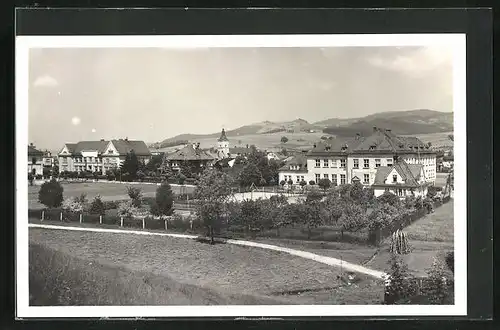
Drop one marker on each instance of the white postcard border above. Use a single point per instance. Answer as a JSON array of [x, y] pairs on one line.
[[25, 43]]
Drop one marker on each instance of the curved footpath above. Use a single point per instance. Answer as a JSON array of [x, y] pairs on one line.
[[307, 255]]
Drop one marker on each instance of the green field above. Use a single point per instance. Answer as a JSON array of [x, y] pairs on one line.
[[108, 191], [223, 269]]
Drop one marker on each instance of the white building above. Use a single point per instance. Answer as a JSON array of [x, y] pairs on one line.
[[100, 156], [35, 160], [360, 158]]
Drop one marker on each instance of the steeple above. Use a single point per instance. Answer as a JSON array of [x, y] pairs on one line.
[[223, 136]]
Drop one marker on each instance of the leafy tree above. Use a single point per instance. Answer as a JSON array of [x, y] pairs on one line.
[[284, 139], [127, 209], [313, 219], [31, 178], [313, 196], [97, 206], [353, 218], [135, 195], [356, 192], [312, 182], [130, 165], [51, 194], [290, 182], [282, 183], [164, 201], [400, 285], [388, 198], [250, 175], [279, 219], [154, 163], [324, 184], [368, 196], [436, 286], [284, 152], [274, 169], [251, 214], [303, 183], [382, 216], [213, 192], [432, 192], [333, 208], [140, 175], [344, 191]]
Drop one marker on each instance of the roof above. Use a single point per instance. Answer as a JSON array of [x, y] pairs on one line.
[[189, 153], [223, 136], [34, 152], [240, 150], [381, 140], [297, 160], [122, 146], [125, 146], [410, 173]]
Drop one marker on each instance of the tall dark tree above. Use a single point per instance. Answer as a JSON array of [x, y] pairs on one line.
[[51, 194], [154, 163], [250, 175], [164, 201], [130, 165]]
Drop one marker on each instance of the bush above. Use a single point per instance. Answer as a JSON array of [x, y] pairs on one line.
[[400, 285], [450, 260], [110, 205], [312, 182], [39, 177], [436, 287], [30, 178], [97, 206], [388, 198], [51, 194], [164, 201], [135, 195]]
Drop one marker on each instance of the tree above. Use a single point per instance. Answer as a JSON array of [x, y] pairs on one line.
[[31, 178], [181, 178], [274, 169], [251, 214], [97, 206], [51, 194], [282, 183], [333, 208], [279, 219], [284, 139], [164, 201], [313, 219], [284, 152], [388, 198], [213, 192], [312, 182], [324, 184], [303, 184], [250, 175], [382, 216], [154, 163], [436, 286], [353, 218], [135, 195], [356, 192], [130, 165], [140, 175], [400, 285]]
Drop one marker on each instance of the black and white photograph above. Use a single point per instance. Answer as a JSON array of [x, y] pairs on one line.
[[290, 175]]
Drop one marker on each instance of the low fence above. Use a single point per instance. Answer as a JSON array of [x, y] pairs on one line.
[[148, 222], [375, 237]]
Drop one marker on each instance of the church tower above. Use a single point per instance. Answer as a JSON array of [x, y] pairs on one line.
[[223, 146]]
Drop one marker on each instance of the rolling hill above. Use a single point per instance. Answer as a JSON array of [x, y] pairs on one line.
[[421, 121]]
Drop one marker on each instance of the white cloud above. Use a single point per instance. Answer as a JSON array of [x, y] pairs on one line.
[[417, 63], [45, 81], [75, 121]]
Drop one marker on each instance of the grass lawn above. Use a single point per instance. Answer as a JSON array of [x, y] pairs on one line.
[[223, 268], [429, 237], [108, 191]]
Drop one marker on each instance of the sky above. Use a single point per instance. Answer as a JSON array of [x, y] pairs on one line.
[[152, 94]]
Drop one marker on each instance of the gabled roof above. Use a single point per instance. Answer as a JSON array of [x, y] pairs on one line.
[[297, 160], [122, 146], [189, 153], [223, 136], [34, 152], [410, 173], [125, 146]]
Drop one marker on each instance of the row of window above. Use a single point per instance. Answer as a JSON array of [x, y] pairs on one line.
[[366, 163], [298, 178]]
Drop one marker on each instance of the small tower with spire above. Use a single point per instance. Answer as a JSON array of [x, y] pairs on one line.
[[222, 145]]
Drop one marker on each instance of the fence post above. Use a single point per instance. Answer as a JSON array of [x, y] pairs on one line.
[[100, 219], [60, 216], [121, 221], [143, 223], [166, 227], [81, 218], [43, 215], [191, 224]]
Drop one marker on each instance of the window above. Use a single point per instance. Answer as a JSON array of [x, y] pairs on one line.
[[394, 178], [325, 162], [325, 176], [377, 162], [334, 163], [342, 163], [318, 162], [298, 178], [301, 178], [389, 161], [366, 163], [366, 179], [334, 179], [342, 179], [356, 163], [317, 178], [110, 151]]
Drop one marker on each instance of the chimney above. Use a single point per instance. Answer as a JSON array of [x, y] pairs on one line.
[[358, 136], [374, 128], [102, 140], [126, 139]]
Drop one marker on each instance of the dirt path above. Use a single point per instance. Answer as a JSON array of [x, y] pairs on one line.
[[303, 254]]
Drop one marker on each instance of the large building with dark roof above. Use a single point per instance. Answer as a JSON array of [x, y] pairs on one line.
[[100, 156], [347, 160]]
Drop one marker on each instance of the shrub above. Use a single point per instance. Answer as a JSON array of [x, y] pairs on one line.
[[39, 177], [313, 195], [164, 201], [97, 206], [450, 260], [388, 198], [127, 209], [324, 184], [135, 195], [400, 285], [51, 194], [110, 205], [436, 286], [312, 182], [30, 178]]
